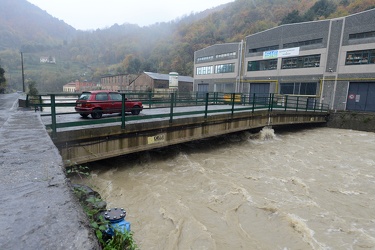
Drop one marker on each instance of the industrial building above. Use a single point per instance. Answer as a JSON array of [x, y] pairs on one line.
[[330, 60], [150, 81], [147, 81]]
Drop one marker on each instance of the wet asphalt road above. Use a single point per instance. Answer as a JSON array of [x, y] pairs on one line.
[[37, 207]]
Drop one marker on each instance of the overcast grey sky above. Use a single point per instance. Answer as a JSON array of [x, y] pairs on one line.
[[98, 14]]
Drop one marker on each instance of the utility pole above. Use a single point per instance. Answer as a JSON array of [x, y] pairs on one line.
[[23, 74]]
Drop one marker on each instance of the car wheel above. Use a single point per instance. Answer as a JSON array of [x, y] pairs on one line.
[[96, 114], [84, 115], [136, 110]]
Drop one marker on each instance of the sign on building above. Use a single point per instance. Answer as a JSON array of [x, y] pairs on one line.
[[281, 53]]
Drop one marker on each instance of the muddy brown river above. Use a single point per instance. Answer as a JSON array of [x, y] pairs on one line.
[[302, 189]]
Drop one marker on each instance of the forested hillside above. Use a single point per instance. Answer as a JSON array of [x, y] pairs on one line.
[[128, 48]]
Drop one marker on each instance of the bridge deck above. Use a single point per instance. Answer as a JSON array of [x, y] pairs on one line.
[[98, 141]]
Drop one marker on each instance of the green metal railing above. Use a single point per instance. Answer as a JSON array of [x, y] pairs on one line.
[[232, 103]]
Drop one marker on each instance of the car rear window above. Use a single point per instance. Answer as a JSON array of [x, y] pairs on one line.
[[84, 96], [115, 96]]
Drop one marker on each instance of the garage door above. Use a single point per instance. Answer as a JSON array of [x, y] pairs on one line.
[[261, 91], [361, 96]]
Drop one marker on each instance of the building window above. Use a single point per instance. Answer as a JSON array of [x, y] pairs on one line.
[[360, 57], [303, 43], [225, 55], [206, 70], [262, 49], [362, 35], [298, 88], [224, 68], [301, 62], [262, 65], [205, 58]]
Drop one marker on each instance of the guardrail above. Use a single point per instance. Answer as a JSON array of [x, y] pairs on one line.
[[234, 102]]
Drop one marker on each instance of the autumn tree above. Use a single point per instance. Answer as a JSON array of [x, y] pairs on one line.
[[3, 82], [322, 8], [292, 17], [32, 88]]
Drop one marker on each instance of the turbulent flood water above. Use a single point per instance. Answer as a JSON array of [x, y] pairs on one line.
[[302, 189]]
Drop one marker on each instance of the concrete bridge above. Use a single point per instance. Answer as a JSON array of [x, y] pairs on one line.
[[87, 140]]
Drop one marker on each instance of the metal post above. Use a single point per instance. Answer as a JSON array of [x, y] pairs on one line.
[[206, 106], [286, 103], [297, 103], [23, 74], [171, 111], [40, 103], [53, 115], [253, 102], [123, 111], [149, 99], [307, 104], [314, 104], [270, 103], [233, 96]]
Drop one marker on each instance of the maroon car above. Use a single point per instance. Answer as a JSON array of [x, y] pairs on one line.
[[99, 102]]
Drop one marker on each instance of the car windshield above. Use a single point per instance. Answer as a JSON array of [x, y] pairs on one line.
[[84, 96]]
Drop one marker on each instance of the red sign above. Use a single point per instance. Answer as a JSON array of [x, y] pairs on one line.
[[352, 96]]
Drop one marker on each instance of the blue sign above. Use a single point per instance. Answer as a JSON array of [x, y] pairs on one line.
[[270, 54]]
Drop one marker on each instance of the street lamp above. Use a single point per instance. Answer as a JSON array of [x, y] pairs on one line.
[[23, 74]]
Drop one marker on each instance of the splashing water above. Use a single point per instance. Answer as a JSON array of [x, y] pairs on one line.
[[267, 133]]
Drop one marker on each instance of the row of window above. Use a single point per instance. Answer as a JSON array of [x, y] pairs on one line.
[[303, 43], [352, 58], [286, 63], [298, 88], [360, 57], [205, 58], [287, 45], [262, 49], [362, 35], [218, 69], [310, 61], [230, 54], [210, 58], [262, 65], [287, 88], [310, 42]]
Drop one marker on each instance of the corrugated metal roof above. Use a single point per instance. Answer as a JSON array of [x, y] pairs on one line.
[[165, 77]]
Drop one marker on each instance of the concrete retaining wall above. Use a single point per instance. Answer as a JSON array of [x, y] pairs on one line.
[[361, 121]]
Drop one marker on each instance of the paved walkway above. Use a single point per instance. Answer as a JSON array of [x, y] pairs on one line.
[[37, 207]]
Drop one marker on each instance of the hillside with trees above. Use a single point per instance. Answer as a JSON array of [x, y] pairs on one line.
[[130, 49]]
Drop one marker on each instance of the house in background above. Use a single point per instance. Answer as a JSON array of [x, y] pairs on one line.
[[149, 81], [48, 59], [118, 82], [78, 86], [70, 87]]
